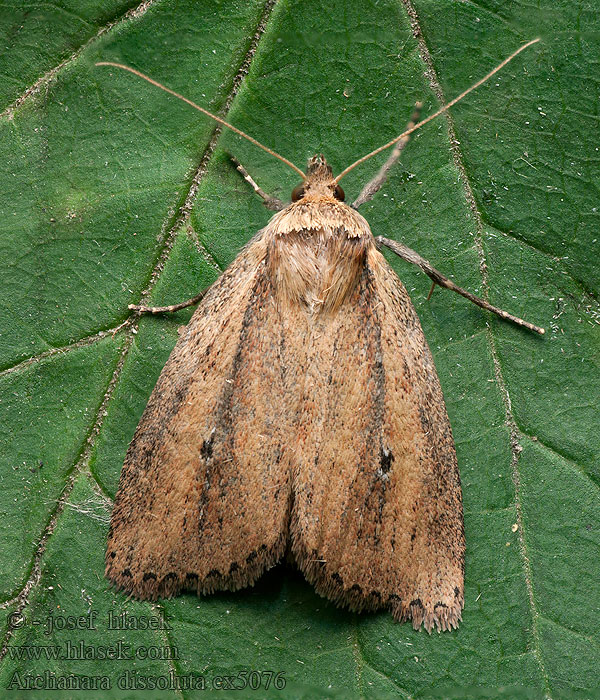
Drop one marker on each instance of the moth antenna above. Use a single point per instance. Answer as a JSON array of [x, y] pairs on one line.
[[204, 111], [435, 114]]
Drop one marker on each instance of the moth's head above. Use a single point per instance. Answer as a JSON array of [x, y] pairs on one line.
[[319, 182]]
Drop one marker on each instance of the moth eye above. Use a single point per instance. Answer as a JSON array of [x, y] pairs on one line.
[[298, 193], [339, 193]]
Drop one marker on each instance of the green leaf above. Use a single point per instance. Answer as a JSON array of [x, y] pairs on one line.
[[112, 189], [36, 40]]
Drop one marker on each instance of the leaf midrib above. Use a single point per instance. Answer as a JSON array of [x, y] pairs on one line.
[[516, 434]]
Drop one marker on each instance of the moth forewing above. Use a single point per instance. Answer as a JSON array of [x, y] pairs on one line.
[[377, 512], [203, 501]]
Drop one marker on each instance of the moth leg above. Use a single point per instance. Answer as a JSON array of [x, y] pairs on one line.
[[375, 184], [167, 309], [411, 256], [270, 202]]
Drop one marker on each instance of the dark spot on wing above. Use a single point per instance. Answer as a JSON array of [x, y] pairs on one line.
[[206, 450], [386, 460]]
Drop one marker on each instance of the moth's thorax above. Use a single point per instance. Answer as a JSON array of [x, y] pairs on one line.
[[316, 253], [316, 246]]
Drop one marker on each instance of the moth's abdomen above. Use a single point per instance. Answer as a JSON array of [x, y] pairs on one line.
[[316, 269]]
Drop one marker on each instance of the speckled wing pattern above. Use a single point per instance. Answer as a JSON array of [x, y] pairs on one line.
[[284, 421], [377, 514], [203, 500]]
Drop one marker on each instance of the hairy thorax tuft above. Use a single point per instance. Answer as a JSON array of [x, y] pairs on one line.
[[316, 253]]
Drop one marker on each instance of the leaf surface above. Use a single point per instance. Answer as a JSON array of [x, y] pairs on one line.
[[113, 191]]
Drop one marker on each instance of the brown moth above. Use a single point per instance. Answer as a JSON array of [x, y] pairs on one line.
[[300, 412]]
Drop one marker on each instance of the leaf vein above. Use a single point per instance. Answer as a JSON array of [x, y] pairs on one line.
[[477, 215]]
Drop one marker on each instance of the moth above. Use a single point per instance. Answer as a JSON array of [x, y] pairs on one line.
[[300, 414]]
